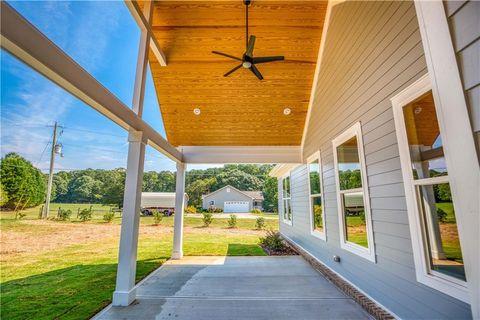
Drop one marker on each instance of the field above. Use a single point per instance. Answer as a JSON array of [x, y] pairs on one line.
[[53, 269]]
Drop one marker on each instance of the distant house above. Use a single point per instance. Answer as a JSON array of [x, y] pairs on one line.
[[231, 199]]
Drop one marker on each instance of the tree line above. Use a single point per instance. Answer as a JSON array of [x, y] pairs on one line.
[[23, 185]]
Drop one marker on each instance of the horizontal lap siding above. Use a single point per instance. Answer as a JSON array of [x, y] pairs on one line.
[[464, 22], [373, 51]]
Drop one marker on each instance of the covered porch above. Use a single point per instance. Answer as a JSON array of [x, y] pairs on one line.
[[284, 287]]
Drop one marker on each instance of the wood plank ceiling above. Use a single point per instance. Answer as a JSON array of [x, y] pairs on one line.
[[238, 110]]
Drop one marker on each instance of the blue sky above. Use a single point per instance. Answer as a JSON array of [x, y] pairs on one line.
[[103, 38]]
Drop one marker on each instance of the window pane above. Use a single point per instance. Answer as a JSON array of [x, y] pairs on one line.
[[445, 253], [354, 214], [314, 170], [286, 187], [349, 165], [287, 210], [423, 134], [317, 213]]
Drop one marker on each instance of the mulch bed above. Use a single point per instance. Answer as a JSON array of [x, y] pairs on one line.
[[287, 251]]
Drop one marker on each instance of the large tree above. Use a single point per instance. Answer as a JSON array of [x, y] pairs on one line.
[[24, 184]]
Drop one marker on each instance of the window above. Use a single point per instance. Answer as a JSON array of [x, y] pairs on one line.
[[286, 198], [228, 189], [211, 203], [352, 194], [317, 214], [437, 250]]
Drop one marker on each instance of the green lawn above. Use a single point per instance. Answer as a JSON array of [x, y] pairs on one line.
[[77, 280]]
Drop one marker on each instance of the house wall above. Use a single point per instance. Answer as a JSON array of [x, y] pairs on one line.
[[464, 22], [221, 196], [373, 51]]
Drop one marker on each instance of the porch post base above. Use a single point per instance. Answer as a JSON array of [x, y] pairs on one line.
[[124, 298], [177, 255]]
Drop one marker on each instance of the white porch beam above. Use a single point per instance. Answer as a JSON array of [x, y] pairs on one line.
[[179, 209], [145, 25], [28, 44], [257, 154], [457, 136], [125, 290]]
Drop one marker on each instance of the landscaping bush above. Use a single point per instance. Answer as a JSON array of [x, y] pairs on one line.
[[260, 223], [63, 214], [190, 209], [85, 214], [215, 210], [157, 217], [207, 218], [232, 222], [273, 241], [108, 216], [255, 210], [442, 215]]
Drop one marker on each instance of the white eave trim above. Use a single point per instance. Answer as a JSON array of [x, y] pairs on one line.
[[241, 154], [326, 24], [280, 170]]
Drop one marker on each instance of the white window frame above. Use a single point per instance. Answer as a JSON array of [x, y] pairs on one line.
[[367, 253], [424, 274], [321, 235], [286, 221]]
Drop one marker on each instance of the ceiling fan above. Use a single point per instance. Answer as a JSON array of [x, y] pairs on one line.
[[248, 61]]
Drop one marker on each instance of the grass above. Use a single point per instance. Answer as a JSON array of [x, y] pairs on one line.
[[77, 280]]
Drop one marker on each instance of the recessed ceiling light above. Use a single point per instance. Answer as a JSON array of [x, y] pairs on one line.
[[196, 111], [417, 110], [287, 111]]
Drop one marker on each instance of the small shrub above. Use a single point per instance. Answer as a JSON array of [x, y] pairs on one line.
[[63, 214], [157, 217], [273, 241], [85, 214], [255, 210], [442, 215], [190, 209], [232, 222], [215, 210], [207, 218], [108, 216], [260, 223]]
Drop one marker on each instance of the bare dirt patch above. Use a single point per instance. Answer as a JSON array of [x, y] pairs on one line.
[[36, 236]]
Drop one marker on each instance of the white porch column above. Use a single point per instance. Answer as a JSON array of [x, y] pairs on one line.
[[125, 291], [179, 208]]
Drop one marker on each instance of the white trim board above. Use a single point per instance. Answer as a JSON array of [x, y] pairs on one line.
[[367, 253], [315, 233], [241, 154], [460, 155], [321, 49], [419, 243]]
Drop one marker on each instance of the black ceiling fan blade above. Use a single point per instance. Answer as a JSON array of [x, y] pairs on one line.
[[267, 59], [256, 72], [250, 45], [233, 70], [226, 55]]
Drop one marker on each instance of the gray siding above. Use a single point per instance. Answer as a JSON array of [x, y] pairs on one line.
[[374, 51], [464, 21], [221, 196]]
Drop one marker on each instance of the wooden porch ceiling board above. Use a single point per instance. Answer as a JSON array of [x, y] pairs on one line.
[[238, 110]]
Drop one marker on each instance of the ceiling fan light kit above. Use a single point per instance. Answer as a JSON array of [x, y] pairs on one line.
[[248, 61]]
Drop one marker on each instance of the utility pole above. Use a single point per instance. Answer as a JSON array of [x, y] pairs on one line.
[[46, 208]]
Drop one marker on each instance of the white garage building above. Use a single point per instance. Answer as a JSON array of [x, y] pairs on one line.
[[231, 200]]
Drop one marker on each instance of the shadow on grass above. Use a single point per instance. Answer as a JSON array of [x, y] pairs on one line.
[[240, 249], [76, 292]]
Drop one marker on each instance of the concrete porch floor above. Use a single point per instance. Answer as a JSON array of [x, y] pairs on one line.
[[237, 288]]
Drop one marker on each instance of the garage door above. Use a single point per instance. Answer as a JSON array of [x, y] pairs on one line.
[[235, 206]]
